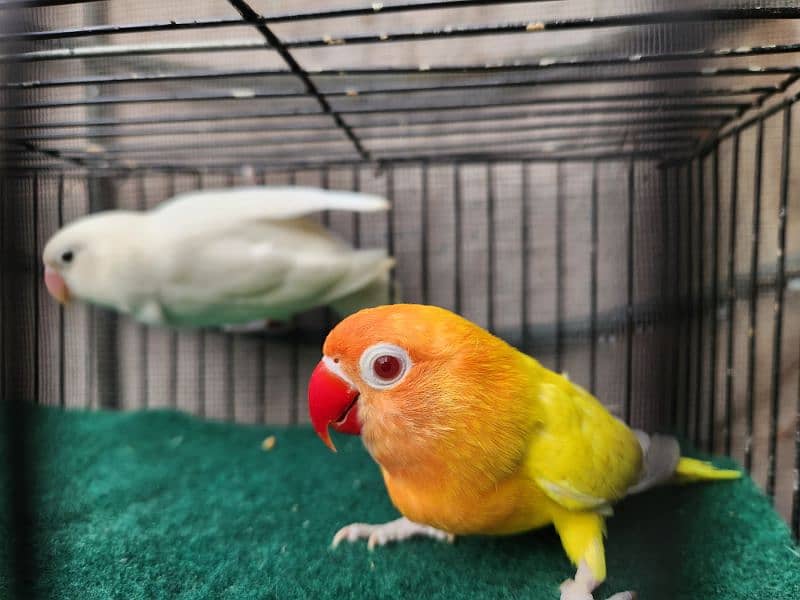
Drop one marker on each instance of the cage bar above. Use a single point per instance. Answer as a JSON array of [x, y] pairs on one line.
[[753, 300], [11, 4], [712, 394], [15, 339], [173, 336], [780, 285], [61, 324], [490, 250], [795, 515], [457, 242], [253, 18], [294, 358], [559, 265], [538, 27], [424, 234], [36, 290], [676, 297], [263, 350], [418, 119], [666, 318], [205, 75], [399, 130], [525, 249], [390, 227], [105, 30], [522, 27], [731, 293], [200, 356], [629, 309], [215, 96], [549, 62], [593, 258], [144, 332], [701, 303], [357, 216], [689, 305]]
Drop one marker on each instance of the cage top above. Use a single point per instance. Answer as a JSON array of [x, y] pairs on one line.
[[218, 84]]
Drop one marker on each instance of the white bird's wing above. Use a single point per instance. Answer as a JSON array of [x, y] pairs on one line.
[[245, 253], [265, 203], [255, 269]]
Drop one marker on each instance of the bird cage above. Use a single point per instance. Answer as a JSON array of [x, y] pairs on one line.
[[608, 186]]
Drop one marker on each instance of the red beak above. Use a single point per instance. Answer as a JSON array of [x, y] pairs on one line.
[[333, 402]]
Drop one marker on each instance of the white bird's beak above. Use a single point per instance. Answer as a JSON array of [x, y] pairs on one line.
[[56, 286]]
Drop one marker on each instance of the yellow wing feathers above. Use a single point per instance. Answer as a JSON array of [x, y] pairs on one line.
[[584, 459], [581, 456]]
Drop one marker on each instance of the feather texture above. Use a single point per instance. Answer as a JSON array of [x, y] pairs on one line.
[[222, 257], [478, 438]]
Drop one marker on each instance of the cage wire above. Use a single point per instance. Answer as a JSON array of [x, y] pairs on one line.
[[606, 185]]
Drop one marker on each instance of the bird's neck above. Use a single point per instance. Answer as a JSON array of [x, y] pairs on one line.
[[130, 263], [440, 461], [401, 447]]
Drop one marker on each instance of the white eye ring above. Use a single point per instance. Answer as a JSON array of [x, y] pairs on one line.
[[368, 357]]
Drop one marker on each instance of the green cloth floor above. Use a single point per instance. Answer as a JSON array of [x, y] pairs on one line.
[[162, 505]]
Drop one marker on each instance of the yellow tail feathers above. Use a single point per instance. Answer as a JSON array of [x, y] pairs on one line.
[[691, 469]]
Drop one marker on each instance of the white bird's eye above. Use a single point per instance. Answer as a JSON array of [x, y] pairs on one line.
[[67, 256], [384, 365]]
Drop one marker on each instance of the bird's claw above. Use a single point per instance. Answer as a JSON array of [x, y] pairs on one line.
[[572, 590], [584, 583], [386, 533]]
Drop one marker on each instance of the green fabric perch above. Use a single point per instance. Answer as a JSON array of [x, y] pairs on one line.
[[162, 505]]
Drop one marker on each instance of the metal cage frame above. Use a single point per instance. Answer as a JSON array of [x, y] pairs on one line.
[[681, 132]]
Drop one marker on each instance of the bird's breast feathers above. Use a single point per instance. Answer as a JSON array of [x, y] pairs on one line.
[[511, 506]]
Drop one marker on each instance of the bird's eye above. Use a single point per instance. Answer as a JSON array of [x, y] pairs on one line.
[[387, 367], [384, 365], [67, 256]]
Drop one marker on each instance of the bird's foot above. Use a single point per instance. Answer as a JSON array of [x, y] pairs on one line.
[[571, 591], [386, 533], [583, 585]]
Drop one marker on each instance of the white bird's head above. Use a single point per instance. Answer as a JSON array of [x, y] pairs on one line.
[[87, 258]]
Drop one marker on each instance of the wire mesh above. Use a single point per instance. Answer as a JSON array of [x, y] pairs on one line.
[[606, 185], [80, 65]]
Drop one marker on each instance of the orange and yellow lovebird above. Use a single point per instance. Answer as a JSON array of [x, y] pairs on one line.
[[475, 437]]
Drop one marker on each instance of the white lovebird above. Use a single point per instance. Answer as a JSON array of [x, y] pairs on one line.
[[222, 257]]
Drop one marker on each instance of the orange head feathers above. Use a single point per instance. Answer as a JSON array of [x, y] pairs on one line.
[[415, 381]]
